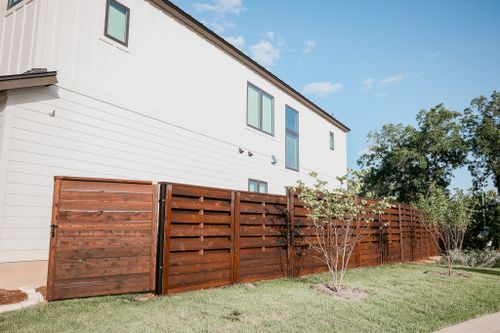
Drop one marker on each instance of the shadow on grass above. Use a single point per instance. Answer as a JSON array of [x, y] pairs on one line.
[[480, 270]]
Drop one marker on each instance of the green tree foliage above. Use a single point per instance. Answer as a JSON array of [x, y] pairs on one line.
[[481, 129], [405, 161], [336, 214], [448, 218], [485, 226]]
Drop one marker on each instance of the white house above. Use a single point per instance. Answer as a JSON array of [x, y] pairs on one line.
[[138, 89]]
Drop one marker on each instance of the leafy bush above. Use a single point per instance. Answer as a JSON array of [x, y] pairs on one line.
[[476, 258]]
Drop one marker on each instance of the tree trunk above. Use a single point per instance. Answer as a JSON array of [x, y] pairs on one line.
[[450, 264]]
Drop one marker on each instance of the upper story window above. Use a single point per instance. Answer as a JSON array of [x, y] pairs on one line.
[[260, 110], [12, 3], [257, 186], [117, 22], [292, 139], [332, 141]]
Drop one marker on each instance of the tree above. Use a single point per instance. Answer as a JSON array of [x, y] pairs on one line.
[[481, 129], [404, 161], [485, 225], [335, 215], [448, 218]]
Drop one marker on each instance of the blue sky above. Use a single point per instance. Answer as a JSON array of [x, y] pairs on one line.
[[368, 62]]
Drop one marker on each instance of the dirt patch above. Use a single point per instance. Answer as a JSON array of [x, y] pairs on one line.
[[430, 260], [235, 315], [42, 290], [145, 297], [351, 294], [249, 285], [12, 296], [453, 274]]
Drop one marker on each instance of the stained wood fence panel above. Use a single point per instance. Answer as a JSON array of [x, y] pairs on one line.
[[262, 237], [306, 257], [102, 238], [199, 226]]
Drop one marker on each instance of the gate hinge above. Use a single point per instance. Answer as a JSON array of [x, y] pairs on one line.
[[53, 228]]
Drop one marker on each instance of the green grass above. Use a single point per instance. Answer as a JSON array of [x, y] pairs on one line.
[[404, 299]]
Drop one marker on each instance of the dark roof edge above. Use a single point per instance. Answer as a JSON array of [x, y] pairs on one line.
[[27, 80], [211, 36], [27, 76]]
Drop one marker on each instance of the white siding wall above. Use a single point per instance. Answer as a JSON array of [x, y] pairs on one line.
[[20, 31], [170, 107]]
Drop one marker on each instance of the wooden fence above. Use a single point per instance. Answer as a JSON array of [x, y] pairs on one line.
[[112, 236], [103, 238], [215, 237]]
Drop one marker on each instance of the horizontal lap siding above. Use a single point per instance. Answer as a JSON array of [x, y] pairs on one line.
[[200, 247], [105, 241], [93, 139]]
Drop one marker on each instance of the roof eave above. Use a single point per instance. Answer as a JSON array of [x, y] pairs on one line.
[[20, 81], [220, 42]]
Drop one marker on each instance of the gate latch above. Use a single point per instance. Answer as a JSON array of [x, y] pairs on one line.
[[53, 228]]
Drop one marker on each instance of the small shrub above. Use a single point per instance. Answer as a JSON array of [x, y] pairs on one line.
[[476, 258]]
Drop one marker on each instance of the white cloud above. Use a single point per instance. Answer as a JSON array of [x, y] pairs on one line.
[[237, 41], [392, 79], [221, 26], [221, 7], [322, 89], [308, 46], [368, 83], [267, 51]]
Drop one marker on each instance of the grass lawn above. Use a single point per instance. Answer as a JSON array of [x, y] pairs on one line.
[[404, 299]]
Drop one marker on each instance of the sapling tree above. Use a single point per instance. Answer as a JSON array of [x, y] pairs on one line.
[[448, 217], [336, 215]]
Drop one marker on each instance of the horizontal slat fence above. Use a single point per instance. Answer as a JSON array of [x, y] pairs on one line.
[[200, 233], [103, 238], [262, 237], [216, 237], [106, 239]]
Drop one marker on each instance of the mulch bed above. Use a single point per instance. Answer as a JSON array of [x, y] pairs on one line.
[[351, 294], [453, 274], [12, 296], [42, 290]]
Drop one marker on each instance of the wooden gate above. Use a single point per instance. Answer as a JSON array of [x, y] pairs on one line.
[[103, 238]]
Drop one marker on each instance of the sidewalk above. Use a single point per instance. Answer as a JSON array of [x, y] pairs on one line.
[[485, 324]]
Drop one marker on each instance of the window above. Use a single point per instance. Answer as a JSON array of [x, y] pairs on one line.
[[292, 139], [260, 110], [332, 141], [257, 186], [12, 3], [117, 22]]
